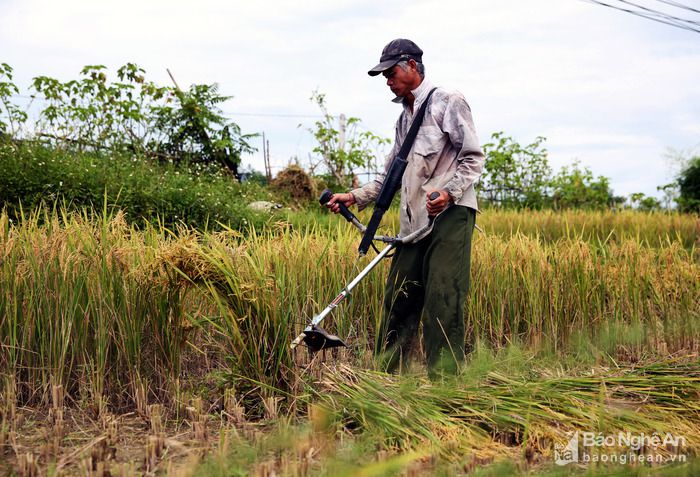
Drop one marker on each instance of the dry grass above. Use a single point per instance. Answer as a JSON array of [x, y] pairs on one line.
[[121, 320]]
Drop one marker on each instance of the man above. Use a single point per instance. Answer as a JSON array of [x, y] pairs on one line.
[[429, 276]]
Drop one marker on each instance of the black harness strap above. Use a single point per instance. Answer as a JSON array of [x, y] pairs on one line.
[[392, 180]]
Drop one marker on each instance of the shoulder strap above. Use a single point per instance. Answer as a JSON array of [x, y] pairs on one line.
[[392, 179], [415, 126]]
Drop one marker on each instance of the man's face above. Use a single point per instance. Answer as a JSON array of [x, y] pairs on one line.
[[402, 82]]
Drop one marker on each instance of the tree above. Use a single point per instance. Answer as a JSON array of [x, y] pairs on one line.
[[649, 204], [636, 198], [198, 131], [670, 194], [344, 149], [689, 186], [644, 202], [11, 116], [515, 175], [575, 187], [94, 113], [137, 116]]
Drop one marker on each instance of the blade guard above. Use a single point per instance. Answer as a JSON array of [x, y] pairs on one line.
[[317, 339]]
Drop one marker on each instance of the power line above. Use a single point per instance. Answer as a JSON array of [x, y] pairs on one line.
[[652, 15], [679, 5], [276, 115], [656, 16], [659, 14]]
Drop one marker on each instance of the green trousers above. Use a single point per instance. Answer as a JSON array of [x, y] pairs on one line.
[[429, 279]]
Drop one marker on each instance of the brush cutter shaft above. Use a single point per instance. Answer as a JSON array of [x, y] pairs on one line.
[[346, 291], [313, 335], [343, 294]]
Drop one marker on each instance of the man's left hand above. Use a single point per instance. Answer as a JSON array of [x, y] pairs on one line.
[[438, 204]]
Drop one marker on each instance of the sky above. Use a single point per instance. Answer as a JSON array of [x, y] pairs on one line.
[[610, 90]]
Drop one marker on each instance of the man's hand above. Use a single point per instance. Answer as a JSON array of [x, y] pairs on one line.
[[347, 198], [438, 204]]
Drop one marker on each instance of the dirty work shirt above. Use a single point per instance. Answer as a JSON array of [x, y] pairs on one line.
[[445, 155]]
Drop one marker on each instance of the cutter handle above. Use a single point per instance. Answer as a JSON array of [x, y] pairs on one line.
[[344, 211], [433, 196]]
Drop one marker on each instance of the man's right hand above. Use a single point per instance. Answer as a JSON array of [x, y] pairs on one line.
[[346, 198]]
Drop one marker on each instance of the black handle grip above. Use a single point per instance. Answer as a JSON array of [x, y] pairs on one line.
[[344, 211], [434, 195], [325, 196]]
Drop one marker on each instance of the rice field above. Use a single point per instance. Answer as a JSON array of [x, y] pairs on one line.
[[166, 352]]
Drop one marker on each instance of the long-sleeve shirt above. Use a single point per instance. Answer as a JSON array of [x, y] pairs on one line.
[[445, 155]]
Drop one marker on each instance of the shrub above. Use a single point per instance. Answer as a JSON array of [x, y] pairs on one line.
[[200, 196], [689, 186]]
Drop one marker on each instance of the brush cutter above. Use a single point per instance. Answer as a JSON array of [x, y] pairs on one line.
[[315, 337]]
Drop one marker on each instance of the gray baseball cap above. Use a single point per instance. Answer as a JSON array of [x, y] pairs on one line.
[[396, 51]]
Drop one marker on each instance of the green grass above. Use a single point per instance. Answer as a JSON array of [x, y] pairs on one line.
[[146, 190]]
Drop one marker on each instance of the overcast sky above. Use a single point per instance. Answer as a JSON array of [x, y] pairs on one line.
[[606, 88]]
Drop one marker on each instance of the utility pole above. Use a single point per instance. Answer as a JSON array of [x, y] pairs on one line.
[[341, 141], [269, 166], [342, 120], [266, 158]]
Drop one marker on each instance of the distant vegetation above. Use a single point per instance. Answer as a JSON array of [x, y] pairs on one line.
[[159, 153], [200, 195], [164, 154], [517, 176], [129, 115], [689, 184]]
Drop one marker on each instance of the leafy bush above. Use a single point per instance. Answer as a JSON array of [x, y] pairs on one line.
[[518, 176], [339, 151], [198, 195], [11, 116], [130, 115], [515, 175], [689, 186], [575, 187]]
